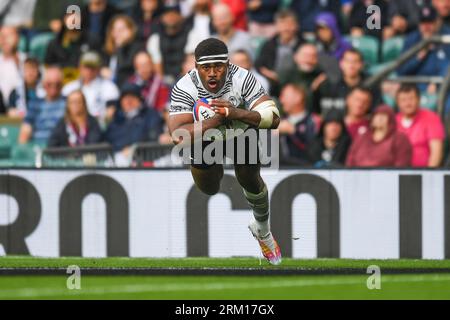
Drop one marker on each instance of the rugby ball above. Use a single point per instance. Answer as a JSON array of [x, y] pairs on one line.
[[202, 110]]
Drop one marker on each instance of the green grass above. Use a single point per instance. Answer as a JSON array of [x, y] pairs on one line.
[[408, 286]]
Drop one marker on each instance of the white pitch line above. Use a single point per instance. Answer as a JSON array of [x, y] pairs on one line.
[[48, 292]]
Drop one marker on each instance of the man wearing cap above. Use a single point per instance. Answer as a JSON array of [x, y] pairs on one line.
[[239, 102], [432, 60], [132, 123], [100, 93]]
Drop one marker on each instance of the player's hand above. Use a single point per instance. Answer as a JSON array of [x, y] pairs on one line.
[[224, 108]]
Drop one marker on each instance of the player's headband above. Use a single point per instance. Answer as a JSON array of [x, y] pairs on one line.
[[217, 58]]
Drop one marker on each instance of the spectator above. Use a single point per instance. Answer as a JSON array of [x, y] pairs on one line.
[[188, 64], [329, 37], [242, 59], [11, 61], [146, 14], [66, 49], [154, 92], [44, 114], [330, 147], [308, 10], [431, 61], [133, 123], [331, 94], [359, 16], [298, 128], [358, 104], [30, 89], [121, 47], [443, 9], [223, 23], [201, 25], [276, 56], [167, 46], [403, 17], [100, 94], [77, 127], [261, 14], [47, 15], [95, 16], [307, 72], [382, 145], [238, 9], [423, 127], [16, 13]]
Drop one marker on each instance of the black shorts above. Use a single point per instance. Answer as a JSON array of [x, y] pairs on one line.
[[243, 150]]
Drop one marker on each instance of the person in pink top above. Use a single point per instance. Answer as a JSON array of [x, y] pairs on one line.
[[423, 127], [358, 103]]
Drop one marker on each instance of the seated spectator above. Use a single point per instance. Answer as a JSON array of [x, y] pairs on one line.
[[201, 25], [223, 23], [29, 90], [44, 114], [308, 10], [298, 128], [359, 17], [11, 61], [431, 61], [95, 16], [307, 71], [403, 17], [331, 94], [77, 127], [132, 123], [238, 9], [17, 13], [443, 9], [329, 38], [101, 94], [277, 54], [358, 104], [261, 17], [68, 46], [423, 127], [146, 14], [330, 147], [242, 59], [121, 47], [382, 145], [154, 92], [166, 47]]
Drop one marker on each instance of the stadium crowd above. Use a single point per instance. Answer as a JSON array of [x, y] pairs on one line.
[[110, 80]]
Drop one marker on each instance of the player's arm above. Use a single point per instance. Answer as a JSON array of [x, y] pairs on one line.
[[182, 126], [264, 113]]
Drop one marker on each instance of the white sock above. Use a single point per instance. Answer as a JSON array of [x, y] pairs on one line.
[[263, 227]]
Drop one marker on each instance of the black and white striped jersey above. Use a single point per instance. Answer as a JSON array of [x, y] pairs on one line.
[[241, 89]]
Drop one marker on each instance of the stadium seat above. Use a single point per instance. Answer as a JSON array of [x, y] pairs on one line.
[[368, 46], [429, 101], [38, 45], [257, 44], [25, 155], [8, 138], [392, 49]]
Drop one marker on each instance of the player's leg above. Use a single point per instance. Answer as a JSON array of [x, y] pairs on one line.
[[256, 193], [207, 178]]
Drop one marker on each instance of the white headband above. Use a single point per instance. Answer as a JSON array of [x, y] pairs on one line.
[[217, 58]]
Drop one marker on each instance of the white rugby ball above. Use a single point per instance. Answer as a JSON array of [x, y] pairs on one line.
[[202, 110]]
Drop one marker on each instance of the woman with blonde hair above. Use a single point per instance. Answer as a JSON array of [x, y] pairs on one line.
[[77, 127], [121, 47]]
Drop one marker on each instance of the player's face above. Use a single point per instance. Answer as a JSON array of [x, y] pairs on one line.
[[213, 75]]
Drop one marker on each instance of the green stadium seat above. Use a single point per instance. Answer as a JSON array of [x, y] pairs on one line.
[[429, 101], [392, 49], [22, 44], [38, 45], [368, 46], [25, 155], [8, 138], [257, 44], [285, 3]]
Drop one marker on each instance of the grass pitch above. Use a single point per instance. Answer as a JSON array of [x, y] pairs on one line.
[[416, 284]]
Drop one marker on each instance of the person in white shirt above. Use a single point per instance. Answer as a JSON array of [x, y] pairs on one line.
[[101, 94]]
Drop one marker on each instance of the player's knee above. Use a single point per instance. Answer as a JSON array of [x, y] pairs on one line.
[[210, 190]]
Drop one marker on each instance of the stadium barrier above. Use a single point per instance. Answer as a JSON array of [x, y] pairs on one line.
[[160, 213], [94, 155]]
